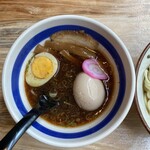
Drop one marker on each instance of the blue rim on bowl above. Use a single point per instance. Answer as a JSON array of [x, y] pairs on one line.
[[44, 35]]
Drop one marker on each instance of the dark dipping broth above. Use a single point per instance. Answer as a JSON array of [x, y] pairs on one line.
[[70, 49]]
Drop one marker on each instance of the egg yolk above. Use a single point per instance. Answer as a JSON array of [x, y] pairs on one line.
[[42, 67]]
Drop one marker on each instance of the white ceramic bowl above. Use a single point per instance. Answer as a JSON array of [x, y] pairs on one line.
[[142, 65], [111, 45]]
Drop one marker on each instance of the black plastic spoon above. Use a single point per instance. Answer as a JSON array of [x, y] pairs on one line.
[[45, 103]]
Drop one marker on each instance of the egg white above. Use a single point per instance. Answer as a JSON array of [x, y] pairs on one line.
[[34, 81]]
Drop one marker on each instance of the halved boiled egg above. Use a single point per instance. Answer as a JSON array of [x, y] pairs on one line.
[[41, 69]]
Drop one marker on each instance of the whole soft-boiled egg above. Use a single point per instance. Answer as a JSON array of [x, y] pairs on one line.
[[41, 69], [89, 93]]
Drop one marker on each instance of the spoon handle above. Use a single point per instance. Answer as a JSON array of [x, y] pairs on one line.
[[18, 130]]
